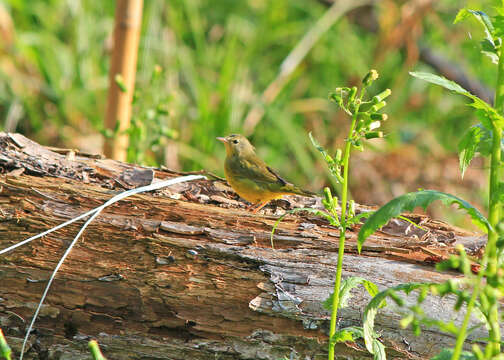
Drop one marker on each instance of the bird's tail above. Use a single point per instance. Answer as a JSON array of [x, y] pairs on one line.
[[296, 190]]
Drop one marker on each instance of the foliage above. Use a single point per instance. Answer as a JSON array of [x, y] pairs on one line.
[[94, 348], [480, 298], [411, 201], [217, 59], [365, 121], [5, 350], [347, 285]]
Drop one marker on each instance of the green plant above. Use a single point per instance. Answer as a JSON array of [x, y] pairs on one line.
[[94, 348], [150, 130], [5, 350], [481, 298], [218, 58], [365, 121]]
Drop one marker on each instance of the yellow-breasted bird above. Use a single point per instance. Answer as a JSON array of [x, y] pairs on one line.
[[250, 177]]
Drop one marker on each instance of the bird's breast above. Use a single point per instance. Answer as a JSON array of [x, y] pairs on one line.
[[247, 188]]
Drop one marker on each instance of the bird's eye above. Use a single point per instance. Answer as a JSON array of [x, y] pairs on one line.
[[235, 141]]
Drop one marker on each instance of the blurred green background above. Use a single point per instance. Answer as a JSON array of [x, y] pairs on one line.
[[203, 65]]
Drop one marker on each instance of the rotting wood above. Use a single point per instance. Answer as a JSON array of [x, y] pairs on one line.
[[184, 273]]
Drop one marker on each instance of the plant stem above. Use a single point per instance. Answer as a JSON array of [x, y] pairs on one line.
[[490, 258], [463, 329], [494, 207], [341, 248], [494, 210]]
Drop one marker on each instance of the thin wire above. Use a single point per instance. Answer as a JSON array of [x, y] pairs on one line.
[[95, 213]]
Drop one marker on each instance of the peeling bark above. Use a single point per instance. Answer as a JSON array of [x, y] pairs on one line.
[[187, 273]]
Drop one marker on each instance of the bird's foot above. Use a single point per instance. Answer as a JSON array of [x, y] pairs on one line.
[[256, 207]]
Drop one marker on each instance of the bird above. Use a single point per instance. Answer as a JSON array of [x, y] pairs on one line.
[[251, 177]]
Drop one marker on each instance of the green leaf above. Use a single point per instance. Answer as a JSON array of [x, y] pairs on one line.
[[453, 86], [372, 309], [5, 350], [485, 21], [498, 23], [461, 15], [488, 49], [408, 202], [342, 336], [378, 350], [446, 354], [350, 333], [359, 217], [346, 286], [441, 81], [491, 42], [119, 80], [469, 145], [485, 145]]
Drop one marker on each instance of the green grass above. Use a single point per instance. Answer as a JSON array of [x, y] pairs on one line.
[[217, 59]]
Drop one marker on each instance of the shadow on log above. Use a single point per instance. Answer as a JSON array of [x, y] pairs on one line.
[[186, 272]]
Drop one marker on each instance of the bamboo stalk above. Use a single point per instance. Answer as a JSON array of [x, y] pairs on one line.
[[128, 20]]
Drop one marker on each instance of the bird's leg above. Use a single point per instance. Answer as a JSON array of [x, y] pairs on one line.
[[261, 205], [251, 206]]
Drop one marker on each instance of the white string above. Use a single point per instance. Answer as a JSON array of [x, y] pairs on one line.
[[95, 212]]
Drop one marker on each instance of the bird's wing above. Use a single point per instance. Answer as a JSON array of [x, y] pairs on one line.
[[255, 169], [279, 178]]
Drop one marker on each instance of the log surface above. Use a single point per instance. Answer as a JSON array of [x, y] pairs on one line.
[[187, 273]]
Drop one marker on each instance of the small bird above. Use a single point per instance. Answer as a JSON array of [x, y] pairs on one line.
[[250, 177]]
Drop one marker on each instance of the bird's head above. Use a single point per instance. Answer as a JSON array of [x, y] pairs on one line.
[[237, 145]]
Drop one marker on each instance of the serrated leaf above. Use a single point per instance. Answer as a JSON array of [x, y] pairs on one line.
[[461, 15], [359, 217], [468, 146], [446, 354], [342, 336], [372, 309], [483, 18], [346, 286], [408, 202], [441, 81], [350, 333], [477, 103], [478, 139]]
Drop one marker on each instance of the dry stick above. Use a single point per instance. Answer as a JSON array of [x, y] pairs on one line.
[[292, 61], [128, 20]]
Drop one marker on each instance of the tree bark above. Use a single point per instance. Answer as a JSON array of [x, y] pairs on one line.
[[187, 273]]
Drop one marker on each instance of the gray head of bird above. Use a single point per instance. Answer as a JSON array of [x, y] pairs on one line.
[[237, 144]]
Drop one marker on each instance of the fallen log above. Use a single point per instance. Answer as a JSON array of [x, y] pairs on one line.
[[187, 273]]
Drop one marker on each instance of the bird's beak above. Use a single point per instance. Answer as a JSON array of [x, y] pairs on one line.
[[224, 140]]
